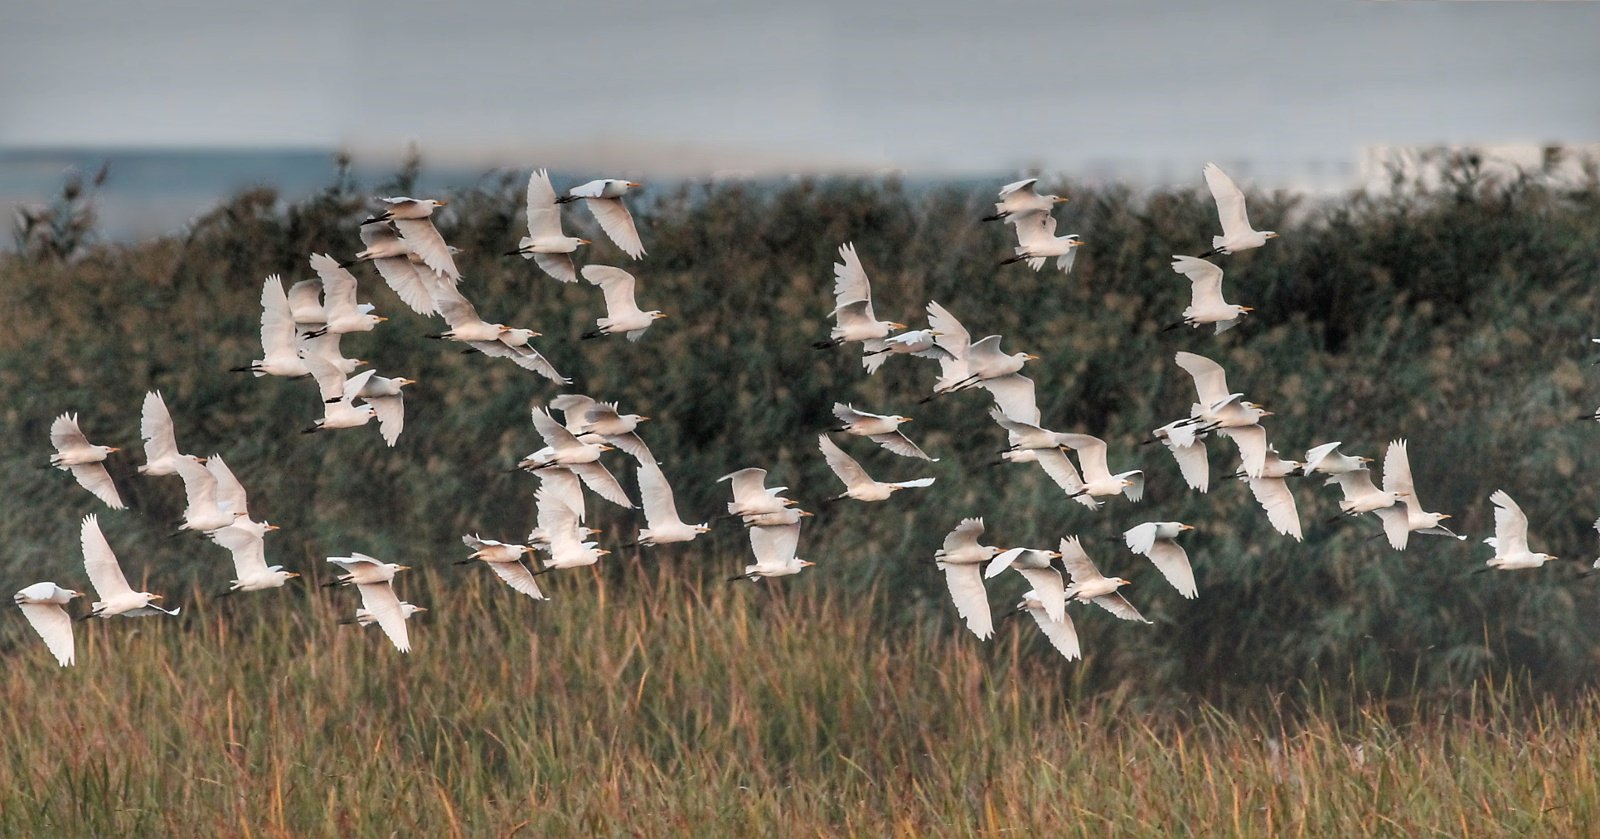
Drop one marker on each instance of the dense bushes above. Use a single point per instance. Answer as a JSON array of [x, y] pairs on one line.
[[1455, 316]]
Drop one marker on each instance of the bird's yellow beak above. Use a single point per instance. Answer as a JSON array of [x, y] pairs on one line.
[[1061, 199], [272, 527], [1272, 235], [806, 563], [584, 242], [805, 515], [381, 320], [155, 597], [1266, 413], [634, 185], [1247, 308], [443, 203], [642, 419], [1365, 459], [403, 568], [1185, 527], [420, 608], [897, 325], [113, 449], [292, 574], [1030, 356], [1444, 515]]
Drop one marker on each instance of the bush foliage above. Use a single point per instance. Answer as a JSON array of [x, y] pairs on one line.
[[1453, 314]]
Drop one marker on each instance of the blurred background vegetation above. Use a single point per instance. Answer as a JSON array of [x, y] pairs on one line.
[[1453, 311]]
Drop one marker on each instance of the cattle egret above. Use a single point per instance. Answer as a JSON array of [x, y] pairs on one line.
[[388, 404], [959, 558], [343, 314], [857, 483], [1189, 450], [1155, 539], [339, 409], [546, 244], [585, 415], [495, 340], [1237, 235], [970, 363], [506, 562], [559, 486], [1037, 242], [604, 200], [623, 315], [380, 605], [280, 338], [116, 596], [1089, 585], [1510, 539], [360, 569], [663, 525], [774, 549], [1205, 296], [1406, 517], [85, 460], [250, 559], [752, 496], [412, 219], [854, 320], [922, 343], [1360, 495], [41, 604], [567, 548], [412, 281], [160, 446], [1327, 460], [880, 429], [1061, 634], [1039, 569], [205, 510], [1020, 201], [1271, 490], [583, 459], [1098, 482], [366, 617]]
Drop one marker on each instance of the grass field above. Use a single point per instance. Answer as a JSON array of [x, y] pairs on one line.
[[1328, 688], [640, 704]]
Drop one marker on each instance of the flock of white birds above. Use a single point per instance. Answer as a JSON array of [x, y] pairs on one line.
[[302, 327]]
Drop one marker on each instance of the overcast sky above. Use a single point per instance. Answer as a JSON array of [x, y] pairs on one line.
[[935, 87]]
